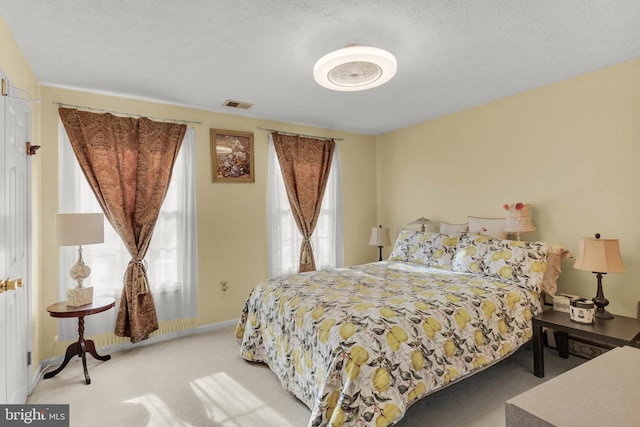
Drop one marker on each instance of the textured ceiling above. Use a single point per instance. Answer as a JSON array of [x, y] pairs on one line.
[[451, 54]]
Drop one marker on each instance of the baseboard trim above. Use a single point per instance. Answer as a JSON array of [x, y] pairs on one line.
[[217, 326]]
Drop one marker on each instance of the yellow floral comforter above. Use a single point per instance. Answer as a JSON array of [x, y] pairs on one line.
[[359, 345]]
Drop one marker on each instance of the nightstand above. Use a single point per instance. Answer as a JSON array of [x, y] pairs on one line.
[[619, 331]]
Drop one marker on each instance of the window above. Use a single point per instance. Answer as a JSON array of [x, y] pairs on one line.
[[171, 258], [284, 238]]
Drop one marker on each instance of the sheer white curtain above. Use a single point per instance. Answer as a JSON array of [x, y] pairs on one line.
[[171, 258], [283, 235]]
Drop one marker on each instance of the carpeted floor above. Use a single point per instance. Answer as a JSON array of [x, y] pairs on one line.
[[201, 380]]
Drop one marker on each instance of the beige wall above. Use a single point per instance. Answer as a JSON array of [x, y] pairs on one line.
[[571, 149], [232, 235], [17, 70]]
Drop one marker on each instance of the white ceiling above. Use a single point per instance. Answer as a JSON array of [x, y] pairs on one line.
[[451, 54]]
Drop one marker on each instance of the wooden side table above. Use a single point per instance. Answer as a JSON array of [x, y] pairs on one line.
[[82, 346], [619, 331]]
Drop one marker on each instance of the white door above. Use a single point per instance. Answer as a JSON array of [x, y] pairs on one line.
[[3, 270], [16, 247]]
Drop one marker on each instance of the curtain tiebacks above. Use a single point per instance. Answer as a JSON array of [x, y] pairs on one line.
[[306, 248], [139, 275]]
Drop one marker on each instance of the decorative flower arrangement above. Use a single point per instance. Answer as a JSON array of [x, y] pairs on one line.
[[236, 163], [517, 206]]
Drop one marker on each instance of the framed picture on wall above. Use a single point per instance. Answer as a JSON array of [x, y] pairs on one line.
[[231, 156]]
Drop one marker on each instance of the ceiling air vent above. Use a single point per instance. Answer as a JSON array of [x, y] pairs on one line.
[[237, 104]]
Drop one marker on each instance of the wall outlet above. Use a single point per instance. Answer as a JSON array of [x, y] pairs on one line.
[[224, 286]]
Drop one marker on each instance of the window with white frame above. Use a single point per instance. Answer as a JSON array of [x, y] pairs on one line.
[[171, 259], [285, 239]]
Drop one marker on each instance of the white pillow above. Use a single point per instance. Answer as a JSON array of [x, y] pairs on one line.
[[446, 228], [492, 227]]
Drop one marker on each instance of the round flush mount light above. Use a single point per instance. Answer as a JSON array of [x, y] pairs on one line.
[[355, 68]]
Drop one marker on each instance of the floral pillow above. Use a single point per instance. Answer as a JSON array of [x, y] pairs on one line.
[[469, 255], [427, 248], [522, 263], [405, 244], [437, 250], [419, 252]]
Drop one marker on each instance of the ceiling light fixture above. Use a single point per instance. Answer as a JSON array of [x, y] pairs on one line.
[[355, 68]]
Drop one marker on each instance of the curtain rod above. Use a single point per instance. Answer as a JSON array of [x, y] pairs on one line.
[[62, 104], [300, 134]]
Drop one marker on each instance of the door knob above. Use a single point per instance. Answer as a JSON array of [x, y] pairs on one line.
[[11, 285]]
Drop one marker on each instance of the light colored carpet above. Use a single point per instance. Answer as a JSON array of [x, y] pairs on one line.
[[200, 380]]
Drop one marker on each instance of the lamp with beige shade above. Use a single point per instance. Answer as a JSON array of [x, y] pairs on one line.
[[600, 256], [80, 229], [380, 238]]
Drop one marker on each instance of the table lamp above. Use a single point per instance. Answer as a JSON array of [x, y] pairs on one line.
[[80, 229], [600, 256], [519, 220], [379, 237], [421, 222]]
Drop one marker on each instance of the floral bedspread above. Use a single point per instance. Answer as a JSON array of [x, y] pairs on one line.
[[359, 345]]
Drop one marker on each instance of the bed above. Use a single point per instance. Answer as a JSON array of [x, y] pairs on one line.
[[359, 345]]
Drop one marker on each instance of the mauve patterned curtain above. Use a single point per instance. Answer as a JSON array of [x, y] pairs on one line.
[[128, 164], [305, 164]]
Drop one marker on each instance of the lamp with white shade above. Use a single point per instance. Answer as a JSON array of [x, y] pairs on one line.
[[80, 229], [422, 222], [600, 256], [380, 238], [519, 221]]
